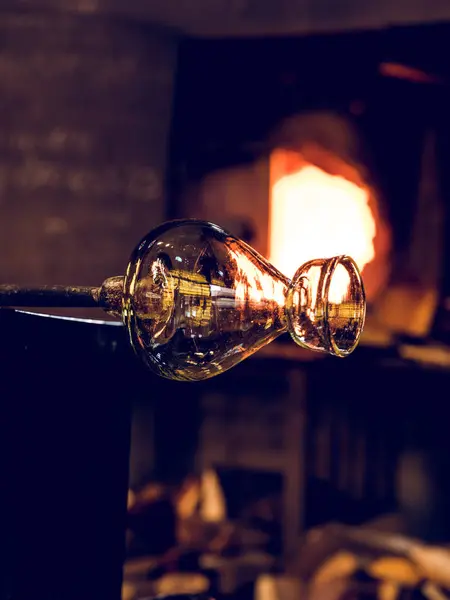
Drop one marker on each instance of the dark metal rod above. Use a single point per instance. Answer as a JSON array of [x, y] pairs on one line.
[[54, 296]]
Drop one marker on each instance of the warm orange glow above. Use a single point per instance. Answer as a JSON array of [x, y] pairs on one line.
[[317, 215], [254, 285]]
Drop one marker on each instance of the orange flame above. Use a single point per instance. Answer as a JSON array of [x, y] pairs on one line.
[[317, 215]]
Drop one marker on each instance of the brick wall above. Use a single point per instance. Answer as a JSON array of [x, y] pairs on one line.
[[85, 111]]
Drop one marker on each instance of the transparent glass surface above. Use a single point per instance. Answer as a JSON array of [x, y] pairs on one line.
[[325, 305], [197, 301]]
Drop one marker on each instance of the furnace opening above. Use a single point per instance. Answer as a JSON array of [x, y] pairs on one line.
[[319, 212]]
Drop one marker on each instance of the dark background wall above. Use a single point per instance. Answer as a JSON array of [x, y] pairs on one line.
[[85, 108], [216, 18]]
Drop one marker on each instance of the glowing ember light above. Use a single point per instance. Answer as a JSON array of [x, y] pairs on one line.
[[317, 215]]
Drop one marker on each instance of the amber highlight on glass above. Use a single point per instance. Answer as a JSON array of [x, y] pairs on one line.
[[197, 301]]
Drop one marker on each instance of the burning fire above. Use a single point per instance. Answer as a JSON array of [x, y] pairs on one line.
[[317, 215]]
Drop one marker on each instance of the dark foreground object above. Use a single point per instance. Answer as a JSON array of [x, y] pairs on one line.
[[66, 389]]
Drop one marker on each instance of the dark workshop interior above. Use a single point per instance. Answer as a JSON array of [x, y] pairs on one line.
[[307, 129]]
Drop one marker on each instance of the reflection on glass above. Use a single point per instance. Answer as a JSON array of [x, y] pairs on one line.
[[197, 301]]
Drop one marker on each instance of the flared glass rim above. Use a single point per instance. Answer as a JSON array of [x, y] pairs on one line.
[[328, 267]]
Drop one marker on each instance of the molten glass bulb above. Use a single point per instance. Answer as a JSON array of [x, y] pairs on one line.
[[197, 301]]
